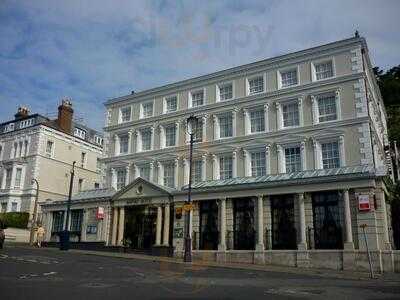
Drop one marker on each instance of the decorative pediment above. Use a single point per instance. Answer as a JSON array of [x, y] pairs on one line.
[[141, 188]]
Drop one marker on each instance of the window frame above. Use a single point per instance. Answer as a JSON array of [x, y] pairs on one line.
[[263, 155], [120, 118], [221, 170], [121, 137], [251, 77], [218, 90], [288, 69], [165, 101], [321, 61], [229, 115], [288, 102], [150, 139], [252, 110], [315, 106], [50, 155], [169, 127], [190, 97], [293, 146], [141, 110]]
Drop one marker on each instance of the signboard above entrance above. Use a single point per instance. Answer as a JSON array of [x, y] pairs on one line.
[[100, 213]]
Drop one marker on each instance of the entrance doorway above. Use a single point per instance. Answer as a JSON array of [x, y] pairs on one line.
[[140, 227], [243, 224], [283, 227], [208, 225]]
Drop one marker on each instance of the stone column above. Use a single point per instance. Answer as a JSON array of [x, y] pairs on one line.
[[84, 223], [303, 155], [185, 171], [204, 168], [114, 178], [216, 128], [222, 231], [267, 160], [160, 174], [130, 141], [266, 119], [121, 226], [247, 163], [302, 257], [302, 245], [348, 244], [127, 174], [314, 109], [152, 137], [215, 167], [177, 133], [151, 174], [234, 164], [158, 226], [204, 133], [260, 223], [116, 145], [166, 225], [176, 174], [247, 125], [114, 227], [234, 122], [279, 117], [281, 159]]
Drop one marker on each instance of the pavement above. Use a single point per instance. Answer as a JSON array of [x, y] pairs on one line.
[[32, 273]]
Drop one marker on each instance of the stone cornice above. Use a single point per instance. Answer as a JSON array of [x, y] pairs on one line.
[[225, 75]]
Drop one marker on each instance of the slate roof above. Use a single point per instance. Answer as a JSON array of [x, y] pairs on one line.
[[359, 171], [87, 196]]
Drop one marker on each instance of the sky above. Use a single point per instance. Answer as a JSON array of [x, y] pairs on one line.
[[91, 51]]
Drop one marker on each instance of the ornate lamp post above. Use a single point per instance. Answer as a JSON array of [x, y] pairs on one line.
[[34, 217], [64, 239], [192, 123]]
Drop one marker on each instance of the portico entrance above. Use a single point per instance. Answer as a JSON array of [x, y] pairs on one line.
[[140, 227]]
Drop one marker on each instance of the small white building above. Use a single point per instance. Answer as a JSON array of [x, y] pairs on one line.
[[33, 146]]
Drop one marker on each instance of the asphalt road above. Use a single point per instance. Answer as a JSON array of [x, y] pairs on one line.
[[51, 274]]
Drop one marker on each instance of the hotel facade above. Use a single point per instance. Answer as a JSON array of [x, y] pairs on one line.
[[288, 165]]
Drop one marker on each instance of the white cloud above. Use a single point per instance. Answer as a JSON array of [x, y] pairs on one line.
[[92, 51]]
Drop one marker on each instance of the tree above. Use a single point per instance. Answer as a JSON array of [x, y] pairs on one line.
[[389, 85]]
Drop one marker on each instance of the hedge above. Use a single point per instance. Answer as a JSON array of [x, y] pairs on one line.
[[15, 219]]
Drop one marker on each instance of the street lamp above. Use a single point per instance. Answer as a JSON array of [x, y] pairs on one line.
[[64, 238], [31, 236], [192, 123]]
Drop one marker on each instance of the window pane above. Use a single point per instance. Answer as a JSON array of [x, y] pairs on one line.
[[324, 70], [125, 114], [197, 171], [258, 164], [170, 136], [171, 104], [257, 121], [330, 155], [123, 144], [293, 159], [144, 172], [18, 178], [146, 139], [327, 108], [169, 175], [121, 176], [225, 125], [225, 92], [147, 110], [290, 113], [256, 85], [197, 98], [225, 167], [289, 78]]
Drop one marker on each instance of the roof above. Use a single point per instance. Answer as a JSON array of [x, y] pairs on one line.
[[322, 174], [87, 196], [241, 68]]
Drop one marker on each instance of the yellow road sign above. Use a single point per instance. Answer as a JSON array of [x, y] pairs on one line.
[[188, 207]]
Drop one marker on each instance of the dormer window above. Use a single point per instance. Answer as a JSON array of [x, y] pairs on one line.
[[25, 123], [80, 133]]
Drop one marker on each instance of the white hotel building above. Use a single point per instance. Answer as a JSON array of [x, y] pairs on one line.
[[286, 149]]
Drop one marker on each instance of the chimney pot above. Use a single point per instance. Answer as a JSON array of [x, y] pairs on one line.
[[22, 112], [65, 114]]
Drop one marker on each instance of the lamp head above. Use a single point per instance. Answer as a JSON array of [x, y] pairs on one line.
[[192, 123]]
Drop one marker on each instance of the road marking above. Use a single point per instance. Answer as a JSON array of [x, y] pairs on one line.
[[49, 273]]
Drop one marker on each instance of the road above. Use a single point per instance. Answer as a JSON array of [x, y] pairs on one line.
[[27, 273]]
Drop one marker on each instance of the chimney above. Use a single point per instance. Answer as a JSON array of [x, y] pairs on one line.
[[65, 113], [22, 112]]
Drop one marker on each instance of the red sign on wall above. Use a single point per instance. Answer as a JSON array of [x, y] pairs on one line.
[[100, 213], [363, 203]]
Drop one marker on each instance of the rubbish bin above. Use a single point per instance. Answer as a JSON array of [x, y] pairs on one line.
[[64, 240]]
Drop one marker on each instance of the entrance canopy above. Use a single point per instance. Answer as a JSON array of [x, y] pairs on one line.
[[142, 192]]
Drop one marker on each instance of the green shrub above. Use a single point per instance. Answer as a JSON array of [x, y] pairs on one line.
[[14, 219]]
